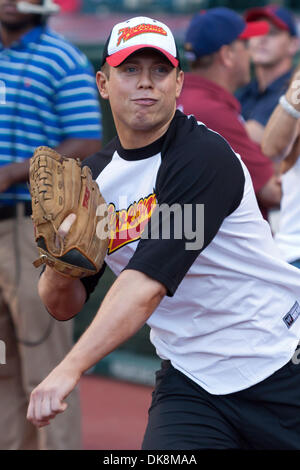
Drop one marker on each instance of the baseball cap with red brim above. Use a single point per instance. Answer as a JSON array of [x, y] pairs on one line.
[[255, 28], [279, 16], [211, 29], [136, 34]]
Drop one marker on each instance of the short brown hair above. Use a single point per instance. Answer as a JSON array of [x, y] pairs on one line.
[[203, 62], [106, 69]]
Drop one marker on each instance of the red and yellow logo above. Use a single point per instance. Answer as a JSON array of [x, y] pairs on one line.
[[127, 225], [127, 33]]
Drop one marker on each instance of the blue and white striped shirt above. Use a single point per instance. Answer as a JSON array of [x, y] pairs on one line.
[[47, 94]]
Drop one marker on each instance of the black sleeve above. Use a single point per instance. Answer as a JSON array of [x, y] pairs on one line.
[[90, 282], [199, 172]]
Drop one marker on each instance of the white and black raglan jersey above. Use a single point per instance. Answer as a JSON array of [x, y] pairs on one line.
[[230, 317]]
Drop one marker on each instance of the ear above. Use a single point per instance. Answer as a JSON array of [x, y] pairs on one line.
[[294, 46], [101, 80], [226, 55], [179, 83]]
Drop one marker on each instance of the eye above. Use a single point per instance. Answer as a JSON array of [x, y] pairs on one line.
[[162, 69], [274, 32], [130, 68]]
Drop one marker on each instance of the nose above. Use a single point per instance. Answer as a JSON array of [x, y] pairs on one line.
[[262, 39], [256, 42], [145, 80]]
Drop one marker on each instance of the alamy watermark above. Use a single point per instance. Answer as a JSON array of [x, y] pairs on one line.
[[2, 352], [146, 219], [2, 92]]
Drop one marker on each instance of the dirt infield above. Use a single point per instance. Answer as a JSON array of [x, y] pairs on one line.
[[114, 414]]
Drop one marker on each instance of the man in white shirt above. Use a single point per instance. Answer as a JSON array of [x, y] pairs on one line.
[[222, 306]]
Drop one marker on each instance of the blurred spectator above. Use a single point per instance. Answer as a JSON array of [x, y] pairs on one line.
[[50, 99], [281, 142], [272, 56], [219, 61], [69, 6]]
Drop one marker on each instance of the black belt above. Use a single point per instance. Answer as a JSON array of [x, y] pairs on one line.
[[10, 212]]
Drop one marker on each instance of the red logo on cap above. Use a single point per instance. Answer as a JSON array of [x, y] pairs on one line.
[[128, 33]]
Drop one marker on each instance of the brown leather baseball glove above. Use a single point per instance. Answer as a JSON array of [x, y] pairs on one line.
[[59, 186]]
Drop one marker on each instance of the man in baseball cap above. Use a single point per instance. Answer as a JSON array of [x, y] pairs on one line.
[[279, 16], [136, 34], [272, 56], [210, 30], [223, 312]]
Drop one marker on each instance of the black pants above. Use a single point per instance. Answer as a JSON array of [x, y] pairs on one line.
[[184, 416]]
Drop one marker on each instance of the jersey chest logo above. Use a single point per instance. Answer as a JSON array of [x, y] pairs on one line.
[[127, 225]]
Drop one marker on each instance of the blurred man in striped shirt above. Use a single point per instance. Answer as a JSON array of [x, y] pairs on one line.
[[48, 97]]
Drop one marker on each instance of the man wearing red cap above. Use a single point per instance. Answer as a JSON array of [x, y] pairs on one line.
[[217, 52], [272, 56]]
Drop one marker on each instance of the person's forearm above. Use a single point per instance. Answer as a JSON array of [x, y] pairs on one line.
[[291, 158], [78, 148], [16, 172], [129, 303], [283, 128], [62, 297], [280, 134]]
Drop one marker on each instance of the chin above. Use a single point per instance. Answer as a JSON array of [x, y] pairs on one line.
[[143, 123], [261, 60]]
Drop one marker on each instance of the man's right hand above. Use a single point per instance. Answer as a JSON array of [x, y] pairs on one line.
[[47, 399]]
